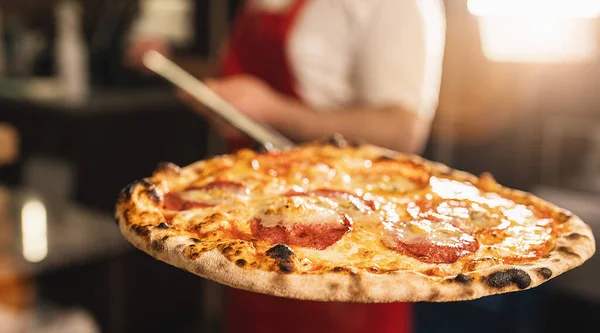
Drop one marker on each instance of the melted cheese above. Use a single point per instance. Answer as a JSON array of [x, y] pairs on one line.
[[442, 212], [214, 196], [423, 230], [289, 211], [203, 220], [382, 183]]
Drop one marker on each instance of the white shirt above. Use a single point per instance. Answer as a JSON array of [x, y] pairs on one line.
[[369, 53]]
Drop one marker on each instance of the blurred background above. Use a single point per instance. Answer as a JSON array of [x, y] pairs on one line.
[[518, 99]]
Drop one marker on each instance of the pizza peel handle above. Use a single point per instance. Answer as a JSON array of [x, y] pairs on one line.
[[164, 67]]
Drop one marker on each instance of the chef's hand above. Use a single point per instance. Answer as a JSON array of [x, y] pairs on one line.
[[248, 94]]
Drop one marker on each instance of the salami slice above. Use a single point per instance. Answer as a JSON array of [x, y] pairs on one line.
[[302, 221], [429, 240]]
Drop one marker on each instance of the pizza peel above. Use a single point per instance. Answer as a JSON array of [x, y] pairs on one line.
[[266, 136]]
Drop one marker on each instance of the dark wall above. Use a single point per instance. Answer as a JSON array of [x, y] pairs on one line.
[[108, 143]]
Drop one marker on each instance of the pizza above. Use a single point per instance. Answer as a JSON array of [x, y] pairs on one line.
[[335, 221]]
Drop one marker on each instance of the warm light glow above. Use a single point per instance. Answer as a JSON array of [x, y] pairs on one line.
[[537, 30], [535, 8], [455, 190], [34, 231]]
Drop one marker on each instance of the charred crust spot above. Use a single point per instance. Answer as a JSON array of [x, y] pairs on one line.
[[127, 192], [153, 194], [283, 255], [141, 230], [567, 251], [163, 225], [575, 236], [227, 249], [280, 252], [126, 216], [241, 262], [351, 272], [167, 167], [285, 267], [195, 240], [463, 278], [501, 279], [545, 272]]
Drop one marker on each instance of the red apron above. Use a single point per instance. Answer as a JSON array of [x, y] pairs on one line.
[[257, 46]]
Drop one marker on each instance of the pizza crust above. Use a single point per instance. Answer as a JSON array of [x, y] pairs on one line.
[[139, 220]]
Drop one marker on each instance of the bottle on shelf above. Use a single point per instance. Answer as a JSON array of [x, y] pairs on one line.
[[71, 54]]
